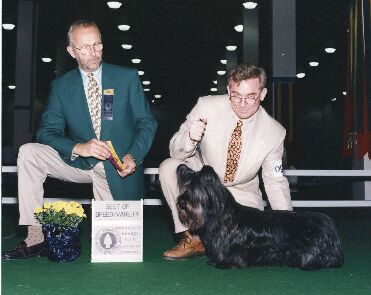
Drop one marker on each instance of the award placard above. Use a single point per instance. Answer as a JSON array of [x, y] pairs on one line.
[[117, 231]]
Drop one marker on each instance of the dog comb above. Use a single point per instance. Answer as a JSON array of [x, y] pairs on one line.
[[114, 159]]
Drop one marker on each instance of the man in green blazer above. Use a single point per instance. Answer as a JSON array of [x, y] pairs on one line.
[[88, 106]]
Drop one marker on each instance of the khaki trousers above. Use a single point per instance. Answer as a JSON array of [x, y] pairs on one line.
[[38, 161], [169, 184]]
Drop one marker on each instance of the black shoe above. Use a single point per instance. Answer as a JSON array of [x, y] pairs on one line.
[[22, 251]]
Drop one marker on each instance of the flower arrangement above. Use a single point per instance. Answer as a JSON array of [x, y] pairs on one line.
[[60, 213]]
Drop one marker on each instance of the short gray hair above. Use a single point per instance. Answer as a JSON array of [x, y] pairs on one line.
[[80, 24]]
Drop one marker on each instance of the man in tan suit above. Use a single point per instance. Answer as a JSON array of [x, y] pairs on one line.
[[208, 137]]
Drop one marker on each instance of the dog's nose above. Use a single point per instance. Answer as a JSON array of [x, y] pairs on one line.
[[181, 203]]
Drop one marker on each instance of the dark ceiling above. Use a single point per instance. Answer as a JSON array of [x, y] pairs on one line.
[[180, 43]]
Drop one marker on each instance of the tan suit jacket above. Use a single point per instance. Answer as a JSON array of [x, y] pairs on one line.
[[263, 139]]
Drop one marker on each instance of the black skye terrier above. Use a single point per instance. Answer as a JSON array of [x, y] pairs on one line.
[[236, 236]]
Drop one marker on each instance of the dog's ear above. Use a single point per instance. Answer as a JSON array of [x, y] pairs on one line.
[[208, 171], [183, 173]]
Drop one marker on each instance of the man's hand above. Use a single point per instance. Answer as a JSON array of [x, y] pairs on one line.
[[129, 165], [197, 130], [93, 148]]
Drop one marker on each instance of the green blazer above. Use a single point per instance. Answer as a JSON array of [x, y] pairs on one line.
[[67, 121]]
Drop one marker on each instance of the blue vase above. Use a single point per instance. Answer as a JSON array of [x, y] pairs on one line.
[[62, 242]]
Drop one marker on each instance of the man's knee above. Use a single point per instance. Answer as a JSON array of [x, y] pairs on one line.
[[27, 150], [167, 167]]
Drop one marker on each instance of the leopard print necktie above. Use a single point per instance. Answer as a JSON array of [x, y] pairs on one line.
[[94, 102], [234, 152]]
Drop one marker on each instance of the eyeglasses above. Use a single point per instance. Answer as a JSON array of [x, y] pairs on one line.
[[84, 50], [250, 99]]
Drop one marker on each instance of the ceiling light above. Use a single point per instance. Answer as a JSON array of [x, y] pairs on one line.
[[157, 95], [114, 4], [215, 82], [146, 89], [136, 60], [223, 61], [300, 75], [314, 63], [146, 82], [238, 28], [8, 27], [126, 46], [46, 59], [213, 89], [344, 93], [124, 27], [153, 101], [221, 73], [330, 50], [231, 47], [140, 73], [11, 86], [250, 5], [333, 99]]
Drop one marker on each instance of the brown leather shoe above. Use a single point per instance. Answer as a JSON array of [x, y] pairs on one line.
[[23, 251], [187, 248]]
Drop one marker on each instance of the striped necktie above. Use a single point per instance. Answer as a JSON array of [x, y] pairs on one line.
[[234, 153], [94, 102]]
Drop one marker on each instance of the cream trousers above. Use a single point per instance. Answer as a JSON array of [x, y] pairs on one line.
[[38, 161], [169, 184]]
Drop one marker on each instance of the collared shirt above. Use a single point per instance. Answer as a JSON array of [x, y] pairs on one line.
[[97, 76], [85, 80]]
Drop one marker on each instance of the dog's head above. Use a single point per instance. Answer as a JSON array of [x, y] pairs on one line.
[[199, 191]]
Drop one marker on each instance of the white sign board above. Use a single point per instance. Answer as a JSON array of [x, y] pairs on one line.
[[117, 231]]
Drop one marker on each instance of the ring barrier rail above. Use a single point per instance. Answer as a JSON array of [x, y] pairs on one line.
[[290, 172]]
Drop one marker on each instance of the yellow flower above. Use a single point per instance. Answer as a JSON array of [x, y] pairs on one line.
[[47, 205], [38, 210]]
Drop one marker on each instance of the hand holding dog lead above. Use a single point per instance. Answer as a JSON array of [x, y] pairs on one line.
[[197, 130]]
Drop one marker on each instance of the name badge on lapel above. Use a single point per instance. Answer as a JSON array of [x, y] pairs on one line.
[[107, 104]]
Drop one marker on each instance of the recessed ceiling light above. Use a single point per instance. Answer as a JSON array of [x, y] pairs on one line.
[[223, 61], [344, 93], [146, 89], [250, 5], [300, 75], [231, 47], [221, 73], [124, 27], [114, 4], [157, 95], [136, 61], [215, 82], [46, 59], [213, 89], [146, 82], [330, 49], [238, 28], [314, 63], [140, 73], [8, 27], [11, 86], [333, 99], [126, 46]]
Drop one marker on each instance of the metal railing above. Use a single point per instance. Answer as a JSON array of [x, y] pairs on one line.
[[291, 172]]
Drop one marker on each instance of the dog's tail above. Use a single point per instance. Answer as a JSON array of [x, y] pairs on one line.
[[325, 252]]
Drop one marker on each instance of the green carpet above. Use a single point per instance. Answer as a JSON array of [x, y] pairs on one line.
[[158, 276]]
